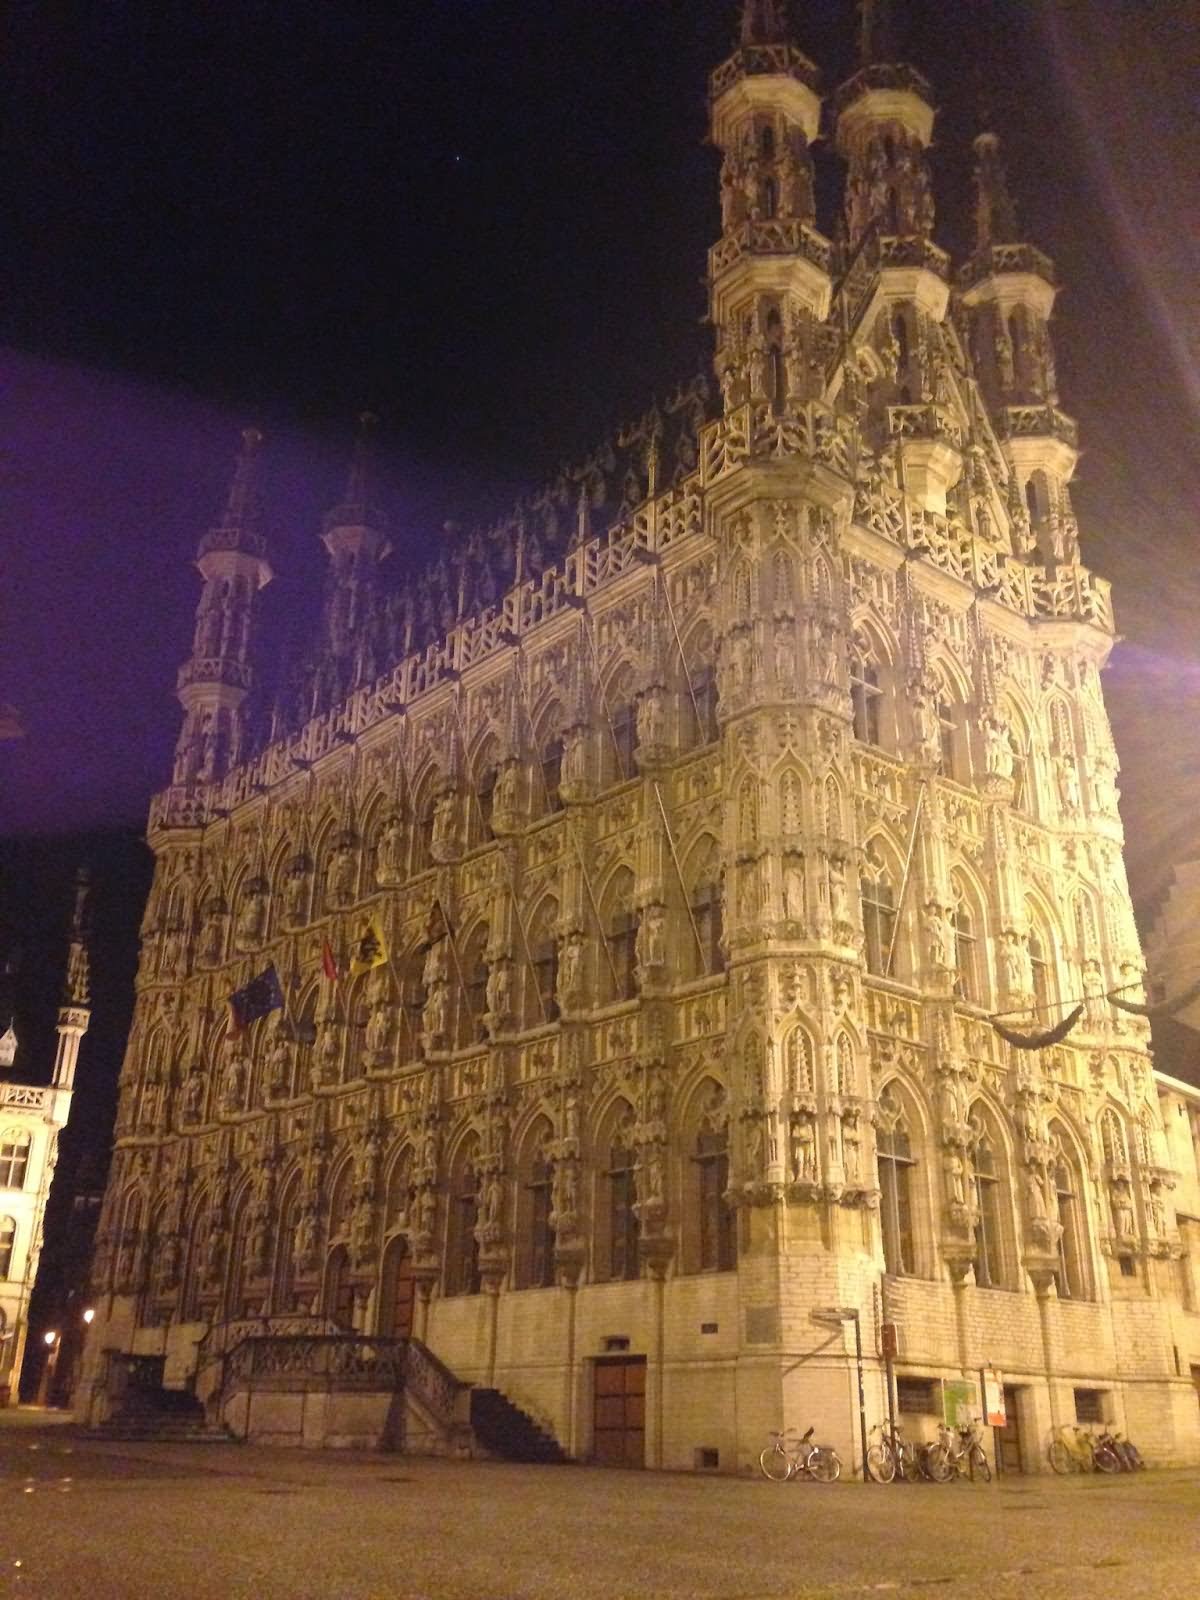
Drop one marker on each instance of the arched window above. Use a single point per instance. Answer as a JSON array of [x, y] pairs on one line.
[[14, 1158], [766, 142], [193, 1267], [462, 1247], [535, 1236], [710, 1240], [618, 975], [990, 1258], [422, 833], [776, 367], [338, 1295], [866, 698], [1072, 1277], [473, 988], [893, 1145], [703, 701], [398, 1201], [485, 789], [550, 763], [969, 980], [616, 1256], [622, 738], [394, 1319], [542, 1003], [8, 1244], [879, 913], [950, 763], [285, 1247], [1041, 965], [900, 335], [704, 903]]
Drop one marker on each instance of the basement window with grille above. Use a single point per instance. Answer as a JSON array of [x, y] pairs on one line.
[[1128, 1266], [918, 1397], [706, 1459], [1089, 1405]]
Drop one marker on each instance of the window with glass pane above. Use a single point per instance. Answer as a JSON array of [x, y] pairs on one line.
[[622, 1241], [484, 795], [867, 700], [552, 759], [463, 1254], [474, 997], [896, 1162], [540, 1244], [14, 1159], [8, 1240], [622, 740], [545, 978], [704, 694], [622, 950], [717, 1244], [1071, 1280], [879, 920], [948, 739], [706, 914], [989, 1259], [966, 954], [1039, 963], [1022, 796]]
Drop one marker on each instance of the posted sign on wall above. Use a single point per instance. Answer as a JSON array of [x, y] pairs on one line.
[[992, 1386]]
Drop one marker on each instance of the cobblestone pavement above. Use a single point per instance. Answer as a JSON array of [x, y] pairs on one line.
[[102, 1521]]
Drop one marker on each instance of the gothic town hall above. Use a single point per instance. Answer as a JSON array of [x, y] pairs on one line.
[[615, 913]]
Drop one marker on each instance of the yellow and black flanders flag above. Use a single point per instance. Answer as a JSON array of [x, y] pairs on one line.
[[369, 948]]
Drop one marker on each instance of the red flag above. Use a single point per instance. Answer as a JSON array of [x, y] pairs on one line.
[[328, 964]]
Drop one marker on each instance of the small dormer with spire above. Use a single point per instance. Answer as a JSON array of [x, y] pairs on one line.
[[1009, 288], [75, 1006], [356, 537], [769, 276], [214, 682]]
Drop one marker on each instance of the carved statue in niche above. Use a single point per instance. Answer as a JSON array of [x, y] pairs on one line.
[[499, 991], [339, 875], [785, 654], [389, 860], [234, 1080], [327, 1055], [956, 1179], [804, 1149], [279, 1066], [1067, 779], [566, 1196], [793, 888], [1121, 1201], [252, 918], [852, 1145], [927, 733], [570, 968], [652, 938], [295, 892], [1095, 1004], [380, 1029], [504, 796], [174, 948], [434, 1016], [839, 893], [193, 1100], [651, 719], [444, 842], [1156, 1209], [304, 1238], [997, 747], [939, 937], [1016, 969], [212, 936]]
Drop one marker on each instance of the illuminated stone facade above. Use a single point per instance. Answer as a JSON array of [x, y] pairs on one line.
[[31, 1118], [708, 807]]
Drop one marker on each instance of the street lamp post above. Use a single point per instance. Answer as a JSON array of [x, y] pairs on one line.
[[841, 1315], [51, 1340]]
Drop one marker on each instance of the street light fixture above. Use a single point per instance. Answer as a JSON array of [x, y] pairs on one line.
[[88, 1315], [829, 1316]]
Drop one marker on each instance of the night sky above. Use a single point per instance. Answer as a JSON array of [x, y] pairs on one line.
[[487, 220]]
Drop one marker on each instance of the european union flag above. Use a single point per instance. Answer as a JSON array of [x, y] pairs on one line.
[[260, 996]]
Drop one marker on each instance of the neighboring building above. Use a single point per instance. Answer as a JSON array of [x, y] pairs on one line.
[[31, 1119], [706, 809], [1173, 958]]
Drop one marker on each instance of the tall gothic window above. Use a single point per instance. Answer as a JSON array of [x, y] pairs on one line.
[[866, 698], [484, 793], [716, 1239], [473, 993], [623, 739], [462, 1247], [706, 919], [895, 1158], [617, 1255], [1071, 1277], [543, 955], [535, 1236], [879, 914], [1040, 967], [551, 766], [619, 968], [989, 1238], [947, 739], [339, 1288], [968, 979], [8, 1241], [14, 1158], [704, 703]]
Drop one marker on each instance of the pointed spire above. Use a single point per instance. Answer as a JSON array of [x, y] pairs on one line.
[[358, 507], [243, 508], [764, 22], [77, 985], [875, 37], [995, 213]]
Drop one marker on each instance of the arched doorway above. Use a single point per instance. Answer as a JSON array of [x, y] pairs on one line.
[[396, 1291], [339, 1291]]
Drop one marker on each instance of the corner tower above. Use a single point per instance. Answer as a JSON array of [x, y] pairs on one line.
[[215, 680]]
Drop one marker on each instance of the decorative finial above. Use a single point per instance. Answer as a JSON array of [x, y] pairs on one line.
[[995, 214], [358, 483], [242, 507], [764, 22], [77, 984], [874, 31]]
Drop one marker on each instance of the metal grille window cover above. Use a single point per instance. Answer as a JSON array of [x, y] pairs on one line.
[[918, 1397]]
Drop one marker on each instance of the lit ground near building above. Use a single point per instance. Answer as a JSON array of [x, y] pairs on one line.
[[232, 1521]]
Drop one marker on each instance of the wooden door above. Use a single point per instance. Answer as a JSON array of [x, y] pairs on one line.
[[1008, 1438], [396, 1292], [339, 1291], [619, 1412]]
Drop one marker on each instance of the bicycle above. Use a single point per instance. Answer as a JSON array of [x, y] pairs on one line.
[[792, 1456], [1071, 1449], [959, 1451], [892, 1454]]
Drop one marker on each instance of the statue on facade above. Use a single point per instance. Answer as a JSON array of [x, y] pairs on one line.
[[939, 937], [499, 992], [1067, 778], [389, 860], [651, 720], [339, 876], [652, 938], [295, 892], [839, 894], [1121, 1201], [234, 1082], [570, 968], [997, 748], [794, 898], [279, 1066], [252, 918], [444, 842], [380, 1027], [804, 1149]]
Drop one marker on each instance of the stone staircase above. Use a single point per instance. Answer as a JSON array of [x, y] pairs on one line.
[[160, 1416], [503, 1429]]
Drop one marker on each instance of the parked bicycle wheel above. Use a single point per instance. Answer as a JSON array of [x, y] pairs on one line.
[[1106, 1459], [910, 1464], [775, 1463], [881, 1463], [938, 1463], [980, 1464], [1061, 1458], [825, 1464]]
